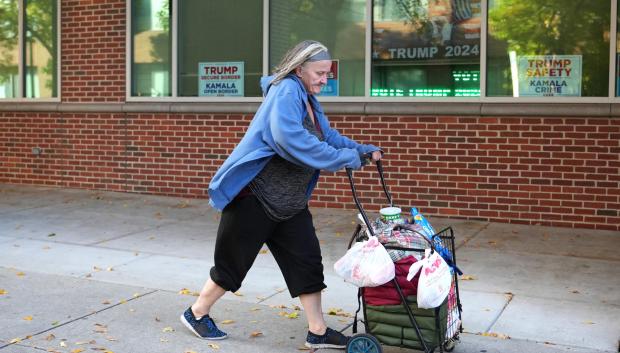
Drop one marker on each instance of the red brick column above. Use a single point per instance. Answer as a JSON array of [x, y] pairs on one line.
[[93, 51]]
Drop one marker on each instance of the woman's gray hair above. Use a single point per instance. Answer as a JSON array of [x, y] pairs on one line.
[[298, 55]]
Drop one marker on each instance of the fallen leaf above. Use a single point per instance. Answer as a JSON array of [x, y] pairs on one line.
[[163, 340], [111, 339], [497, 335], [467, 278], [265, 251], [51, 235], [28, 318], [95, 268], [237, 293], [3, 292], [214, 346], [256, 334], [135, 295], [77, 350], [15, 340], [588, 322], [255, 309], [185, 291], [99, 328], [227, 322], [55, 323], [20, 274], [338, 234], [157, 319], [109, 269], [50, 337], [168, 329], [293, 315], [105, 302], [575, 291], [63, 343], [182, 204]]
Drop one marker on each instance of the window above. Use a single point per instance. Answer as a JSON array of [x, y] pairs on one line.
[[151, 48], [192, 49], [548, 48], [340, 25], [225, 43], [28, 65], [424, 48]]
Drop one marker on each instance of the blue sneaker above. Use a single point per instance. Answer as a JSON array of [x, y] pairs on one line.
[[330, 339], [203, 328]]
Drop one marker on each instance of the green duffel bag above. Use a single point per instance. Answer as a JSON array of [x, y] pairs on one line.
[[391, 324]]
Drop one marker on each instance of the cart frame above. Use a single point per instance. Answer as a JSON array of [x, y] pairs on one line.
[[447, 336]]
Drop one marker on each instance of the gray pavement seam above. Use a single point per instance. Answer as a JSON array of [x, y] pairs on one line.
[[78, 318], [470, 238], [129, 234], [509, 296]]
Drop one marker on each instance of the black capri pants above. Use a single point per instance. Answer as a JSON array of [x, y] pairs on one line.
[[245, 227]]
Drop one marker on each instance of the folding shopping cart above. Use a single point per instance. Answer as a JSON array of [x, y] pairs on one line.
[[405, 324]]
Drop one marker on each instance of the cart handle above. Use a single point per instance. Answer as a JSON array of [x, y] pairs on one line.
[[357, 202]]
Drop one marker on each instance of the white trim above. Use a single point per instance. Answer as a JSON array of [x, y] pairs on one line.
[[484, 17], [541, 100], [368, 51], [613, 48], [58, 52], [128, 45], [21, 78], [174, 59], [266, 33], [196, 99]]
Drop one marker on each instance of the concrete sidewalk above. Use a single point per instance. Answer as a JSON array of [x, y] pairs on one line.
[[85, 271]]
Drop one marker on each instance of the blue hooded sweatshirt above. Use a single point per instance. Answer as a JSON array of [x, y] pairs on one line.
[[277, 129]]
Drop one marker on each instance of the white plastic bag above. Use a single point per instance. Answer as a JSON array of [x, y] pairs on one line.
[[366, 264], [435, 279]]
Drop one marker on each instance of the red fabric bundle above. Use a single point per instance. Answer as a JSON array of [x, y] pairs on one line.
[[387, 294]]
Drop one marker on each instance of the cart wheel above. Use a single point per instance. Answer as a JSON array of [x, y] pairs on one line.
[[449, 345], [364, 343]]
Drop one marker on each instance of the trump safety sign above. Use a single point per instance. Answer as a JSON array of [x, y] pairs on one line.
[[220, 79], [549, 75]]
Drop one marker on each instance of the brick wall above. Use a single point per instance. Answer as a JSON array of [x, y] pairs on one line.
[[549, 171], [93, 50]]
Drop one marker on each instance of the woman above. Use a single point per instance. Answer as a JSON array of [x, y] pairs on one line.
[[263, 189]]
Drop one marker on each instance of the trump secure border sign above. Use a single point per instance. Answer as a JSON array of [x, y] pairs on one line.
[[220, 79]]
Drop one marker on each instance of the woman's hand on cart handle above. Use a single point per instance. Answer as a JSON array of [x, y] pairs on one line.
[[374, 156]]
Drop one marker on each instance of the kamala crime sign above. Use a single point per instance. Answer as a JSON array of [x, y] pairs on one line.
[[549, 75], [220, 79]]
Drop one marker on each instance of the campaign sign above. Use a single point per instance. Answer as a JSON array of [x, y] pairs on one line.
[[549, 75], [220, 79], [331, 88]]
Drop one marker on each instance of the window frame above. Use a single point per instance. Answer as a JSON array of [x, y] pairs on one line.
[[21, 87], [611, 97]]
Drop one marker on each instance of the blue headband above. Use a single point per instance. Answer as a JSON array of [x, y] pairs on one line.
[[322, 55]]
